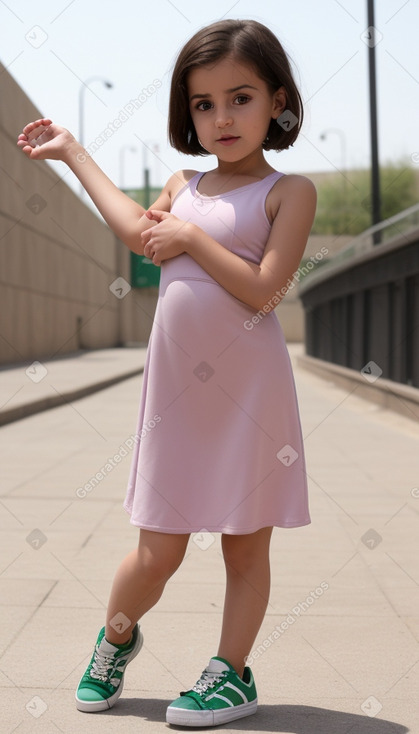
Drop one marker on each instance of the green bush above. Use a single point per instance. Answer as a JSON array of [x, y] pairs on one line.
[[344, 201]]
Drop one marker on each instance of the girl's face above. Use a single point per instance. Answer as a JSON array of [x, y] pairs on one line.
[[231, 108]]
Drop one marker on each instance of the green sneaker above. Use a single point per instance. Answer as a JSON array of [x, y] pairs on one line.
[[219, 696], [103, 681]]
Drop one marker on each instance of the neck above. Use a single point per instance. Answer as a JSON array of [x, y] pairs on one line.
[[252, 165]]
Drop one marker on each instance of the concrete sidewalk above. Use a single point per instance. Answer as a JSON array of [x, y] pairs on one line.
[[338, 649], [34, 386]]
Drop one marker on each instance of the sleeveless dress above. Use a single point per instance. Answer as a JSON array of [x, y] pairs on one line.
[[219, 445]]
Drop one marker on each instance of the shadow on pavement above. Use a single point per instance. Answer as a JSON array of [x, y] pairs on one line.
[[276, 718]]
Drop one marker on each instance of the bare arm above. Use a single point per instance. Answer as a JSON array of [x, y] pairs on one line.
[[251, 283], [42, 140]]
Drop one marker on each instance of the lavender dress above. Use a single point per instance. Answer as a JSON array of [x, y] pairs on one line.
[[221, 446]]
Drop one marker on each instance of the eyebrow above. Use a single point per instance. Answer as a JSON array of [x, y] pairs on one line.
[[227, 91]]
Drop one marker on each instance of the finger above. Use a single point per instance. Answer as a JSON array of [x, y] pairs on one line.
[[21, 141], [45, 121], [36, 133], [33, 153], [157, 215], [27, 149]]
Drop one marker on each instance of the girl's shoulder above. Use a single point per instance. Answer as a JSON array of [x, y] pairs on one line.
[[293, 182], [292, 186], [177, 181]]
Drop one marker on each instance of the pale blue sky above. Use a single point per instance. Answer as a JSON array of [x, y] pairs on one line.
[[132, 43]]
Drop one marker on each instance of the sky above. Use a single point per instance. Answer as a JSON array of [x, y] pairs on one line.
[[56, 48]]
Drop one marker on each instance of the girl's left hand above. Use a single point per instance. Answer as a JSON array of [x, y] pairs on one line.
[[166, 239]]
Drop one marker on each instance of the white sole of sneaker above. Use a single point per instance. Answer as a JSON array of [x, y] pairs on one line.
[[186, 717], [93, 706]]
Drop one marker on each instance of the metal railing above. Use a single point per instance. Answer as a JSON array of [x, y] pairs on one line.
[[382, 233], [362, 308]]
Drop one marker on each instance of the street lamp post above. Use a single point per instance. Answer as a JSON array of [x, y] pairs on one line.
[[84, 86], [342, 139], [146, 183], [375, 170], [122, 161], [147, 187]]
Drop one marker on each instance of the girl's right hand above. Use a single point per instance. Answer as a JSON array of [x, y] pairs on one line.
[[42, 139]]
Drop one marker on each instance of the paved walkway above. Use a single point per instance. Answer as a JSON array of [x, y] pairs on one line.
[[337, 653], [29, 388]]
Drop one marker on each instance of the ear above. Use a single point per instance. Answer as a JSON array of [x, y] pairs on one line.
[[279, 102]]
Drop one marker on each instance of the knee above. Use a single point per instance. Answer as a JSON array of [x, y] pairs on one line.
[[237, 560], [159, 567], [244, 554]]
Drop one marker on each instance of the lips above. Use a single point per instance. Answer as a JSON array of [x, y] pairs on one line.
[[227, 139]]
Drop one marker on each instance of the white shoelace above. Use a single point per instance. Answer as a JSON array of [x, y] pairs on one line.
[[101, 665], [207, 680]]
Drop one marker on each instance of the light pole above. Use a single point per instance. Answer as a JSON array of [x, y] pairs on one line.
[[342, 139], [122, 161], [375, 170], [84, 86], [146, 170]]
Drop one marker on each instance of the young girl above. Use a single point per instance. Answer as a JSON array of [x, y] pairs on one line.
[[227, 454]]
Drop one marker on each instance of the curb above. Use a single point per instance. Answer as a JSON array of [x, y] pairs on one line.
[[402, 399], [38, 406]]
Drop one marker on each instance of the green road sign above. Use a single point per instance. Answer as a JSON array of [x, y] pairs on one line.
[[144, 274]]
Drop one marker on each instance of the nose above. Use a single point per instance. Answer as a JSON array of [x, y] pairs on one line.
[[223, 119]]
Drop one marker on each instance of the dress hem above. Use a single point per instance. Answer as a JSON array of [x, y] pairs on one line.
[[227, 530]]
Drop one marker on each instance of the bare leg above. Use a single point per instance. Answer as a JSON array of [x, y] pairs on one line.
[[246, 559], [140, 580]]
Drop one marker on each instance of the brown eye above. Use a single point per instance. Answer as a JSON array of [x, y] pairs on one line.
[[241, 99], [203, 106]]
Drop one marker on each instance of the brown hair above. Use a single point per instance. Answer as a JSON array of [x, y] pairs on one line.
[[249, 42]]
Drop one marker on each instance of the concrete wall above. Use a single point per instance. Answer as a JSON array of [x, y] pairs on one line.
[[290, 315], [57, 258]]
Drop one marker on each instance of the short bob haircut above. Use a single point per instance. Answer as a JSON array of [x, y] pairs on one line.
[[248, 42]]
